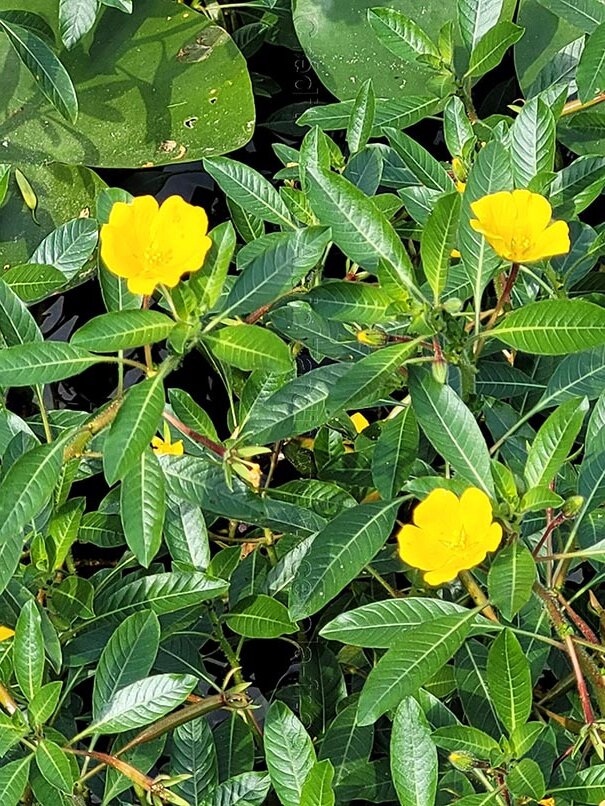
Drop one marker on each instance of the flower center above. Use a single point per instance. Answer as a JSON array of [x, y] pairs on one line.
[[455, 541], [155, 258], [519, 246]]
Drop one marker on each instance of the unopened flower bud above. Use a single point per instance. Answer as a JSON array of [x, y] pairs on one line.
[[453, 305], [462, 760], [573, 505], [373, 338], [459, 170], [439, 368]]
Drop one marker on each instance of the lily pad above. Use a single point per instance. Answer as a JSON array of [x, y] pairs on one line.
[[161, 85], [344, 50], [63, 192]]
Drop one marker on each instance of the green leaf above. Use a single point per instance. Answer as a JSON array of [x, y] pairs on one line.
[[17, 325], [289, 753], [398, 112], [338, 554], [344, 301], [186, 534], [247, 789], [234, 747], [317, 789], [457, 128], [63, 528], [414, 763], [511, 578], [590, 75], [197, 104], [249, 189], [526, 780], [362, 118], [76, 18], [587, 786], [585, 15], [194, 754], [24, 490], [142, 757], [207, 285], [13, 780], [509, 680], [425, 168], [451, 428], [370, 378], [467, 739], [143, 507], [490, 49], [250, 347], [43, 362], [126, 658], [193, 415], [162, 593], [122, 330], [54, 765], [490, 173], [72, 599], [142, 702], [28, 650], [395, 451], [438, 239], [400, 34], [359, 229], [69, 247], [51, 77], [554, 327], [32, 282], [133, 428], [579, 375], [380, 624], [476, 18], [260, 617], [402, 670], [554, 441], [346, 742], [533, 139], [283, 260], [44, 703]]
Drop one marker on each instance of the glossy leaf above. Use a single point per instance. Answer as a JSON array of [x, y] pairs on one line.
[[126, 658], [414, 763], [29, 650], [143, 507], [339, 553], [122, 330], [509, 680], [32, 363], [194, 754], [260, 617], [395, 451], [69, 247], [451, 428], [438, 240], [511, 578], [490, 49], [400, 34], [554, 442], [133, 428], [289, 752], [476, 18], [362, 118], [13, 780], [249, 347], [317, 789], [54, 765]]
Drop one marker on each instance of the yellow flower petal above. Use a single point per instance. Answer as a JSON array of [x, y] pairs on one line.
[[153, 245], [6, 632], [439, 513], [418, 548], [517, 226], [166, 447], [476, 511], [359, 421]]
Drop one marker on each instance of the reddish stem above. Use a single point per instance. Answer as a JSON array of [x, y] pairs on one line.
[[195, 435]]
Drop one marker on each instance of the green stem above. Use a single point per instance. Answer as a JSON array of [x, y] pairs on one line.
[[226, 648], [382, 581], [43, 414]]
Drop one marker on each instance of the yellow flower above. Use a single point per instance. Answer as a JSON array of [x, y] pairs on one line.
[[460, 186], [359, 421], [166, 446], [6, 632], [517, 225], [547, 802], [450, 534], [151, 245]]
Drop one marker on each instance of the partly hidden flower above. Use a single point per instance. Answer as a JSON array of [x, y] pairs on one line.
[[166, 446], [449, 534], [518, 226], [6, 632], [359, 421], [151, 245]]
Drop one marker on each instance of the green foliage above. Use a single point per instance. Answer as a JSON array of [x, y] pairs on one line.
[[216, 484]]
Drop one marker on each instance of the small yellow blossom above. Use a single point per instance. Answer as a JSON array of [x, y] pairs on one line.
[[359, 421], [517, 225], [460, 186], [547, 802], [455, 253], [449, 534], [166, 446], [6, 632], [153, 245]]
